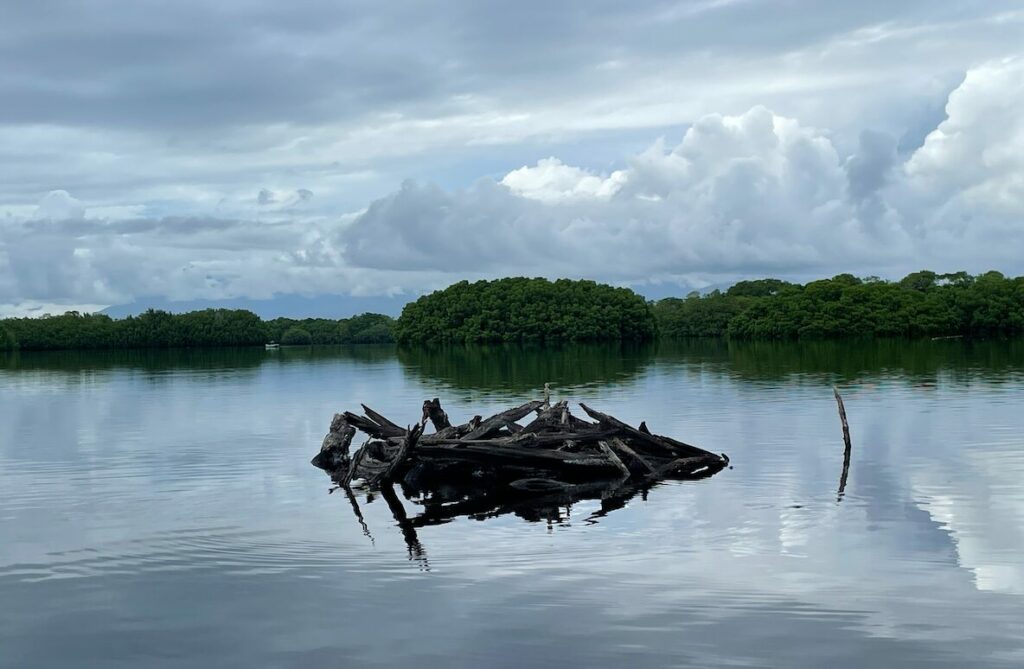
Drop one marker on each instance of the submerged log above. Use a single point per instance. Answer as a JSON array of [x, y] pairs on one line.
[[497, 458]]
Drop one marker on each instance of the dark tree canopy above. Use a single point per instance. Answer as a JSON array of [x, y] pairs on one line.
[[521, 309], [160, 329], [295, 336], [362, 329], [921, 304]]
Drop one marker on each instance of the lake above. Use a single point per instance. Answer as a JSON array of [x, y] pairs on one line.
[[158, 509]]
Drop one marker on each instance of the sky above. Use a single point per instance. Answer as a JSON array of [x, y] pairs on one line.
[[216, 151]]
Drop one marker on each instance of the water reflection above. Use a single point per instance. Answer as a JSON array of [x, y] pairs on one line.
[[194, 359], [922, 362], [450, 502], [165, 514], [516, 368], [512, 368]]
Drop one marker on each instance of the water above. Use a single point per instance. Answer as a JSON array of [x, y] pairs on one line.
[[158, 510]]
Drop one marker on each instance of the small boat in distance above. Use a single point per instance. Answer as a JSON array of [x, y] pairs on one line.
[[272, 346]]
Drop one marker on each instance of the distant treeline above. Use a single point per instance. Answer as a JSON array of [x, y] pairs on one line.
[[526, 310], [538, 310], [921, 304], [209, 327]]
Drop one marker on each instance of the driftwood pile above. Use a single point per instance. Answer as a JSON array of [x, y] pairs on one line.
[[503, 455]]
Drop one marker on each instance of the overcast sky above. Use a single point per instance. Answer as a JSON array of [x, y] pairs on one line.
[[239, 149]]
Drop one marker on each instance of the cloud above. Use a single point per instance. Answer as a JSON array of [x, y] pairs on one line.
[[279, 200], [753, 192], [265, 197], [974, 159], [740, 194], [348, 99], [553, 181], [58, 205]]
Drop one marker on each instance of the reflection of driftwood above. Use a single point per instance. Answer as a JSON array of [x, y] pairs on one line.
[[412, 541], [535, 500], [358, 513], [497, 465], [847, 446]]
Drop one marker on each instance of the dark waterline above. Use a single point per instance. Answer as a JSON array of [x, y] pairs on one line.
[[159, 510]]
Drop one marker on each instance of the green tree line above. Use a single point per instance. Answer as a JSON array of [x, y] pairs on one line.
[[362, 329], [538, 310], [524, 310], [209, 327], [921, 304]]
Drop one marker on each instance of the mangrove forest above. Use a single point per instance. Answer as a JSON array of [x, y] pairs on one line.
[[921, 304], [524, 310], [208, 327]]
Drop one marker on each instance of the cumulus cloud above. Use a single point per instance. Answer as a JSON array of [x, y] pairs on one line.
[[553, 181], [753, 192], [972, 164], [740, 194]]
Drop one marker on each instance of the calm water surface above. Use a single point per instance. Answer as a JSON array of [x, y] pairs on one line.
[[159, 510]]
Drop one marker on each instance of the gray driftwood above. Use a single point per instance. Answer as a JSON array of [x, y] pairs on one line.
[[506, 452]]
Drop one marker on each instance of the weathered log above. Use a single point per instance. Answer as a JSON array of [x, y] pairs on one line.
[[614, 458], [450, 432], [622, 446], [688, 465], [353, 466], [432, 410], [334, 449], [487, 456], [613, 422], [524, 440], [500, 420], [399, 460], [550, 418], [657, 441], [542, 459], [338, 423], [381, 420], [371, 427]]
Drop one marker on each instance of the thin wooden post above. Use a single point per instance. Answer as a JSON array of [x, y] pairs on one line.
[[848, 447]]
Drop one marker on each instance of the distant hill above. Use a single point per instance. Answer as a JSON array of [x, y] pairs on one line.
[[279, 306]]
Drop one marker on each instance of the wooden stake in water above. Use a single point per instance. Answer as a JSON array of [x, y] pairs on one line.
[[846, 442]]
